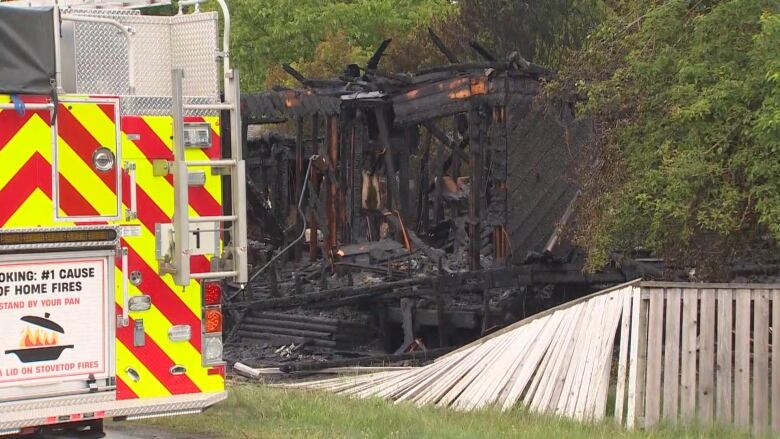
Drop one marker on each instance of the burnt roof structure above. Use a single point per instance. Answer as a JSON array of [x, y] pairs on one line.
[[414, 188]]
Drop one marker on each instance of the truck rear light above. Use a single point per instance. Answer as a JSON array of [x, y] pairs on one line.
[[180, 333], [212, 349], [212, 293], [140, 303], [213, 320]]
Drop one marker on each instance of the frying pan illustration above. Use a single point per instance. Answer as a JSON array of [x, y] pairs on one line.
[[45, 352]]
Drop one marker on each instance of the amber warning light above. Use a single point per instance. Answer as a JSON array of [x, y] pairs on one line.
[[57, 237]]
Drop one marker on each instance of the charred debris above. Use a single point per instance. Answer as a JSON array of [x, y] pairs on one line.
[[400, 214]]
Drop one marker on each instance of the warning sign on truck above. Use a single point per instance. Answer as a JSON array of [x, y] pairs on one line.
[[53, 318]]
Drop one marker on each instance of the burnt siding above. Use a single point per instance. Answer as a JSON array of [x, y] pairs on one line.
[[541, 184]]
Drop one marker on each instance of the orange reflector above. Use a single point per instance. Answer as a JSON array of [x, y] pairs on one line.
[[219, 370], [213, 320]]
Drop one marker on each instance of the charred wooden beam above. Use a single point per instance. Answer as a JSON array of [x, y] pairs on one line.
[[525, 275], [373, 63], [442, 47], [426, 355], [283, 339], [411, 140], [384, 137], [455, 147], [332, 135], [423, 214], [299, 175], [313, 179], [476, 127], [482, 51], [294, 73]]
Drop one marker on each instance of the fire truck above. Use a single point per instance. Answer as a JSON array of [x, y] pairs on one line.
[[122, 210]]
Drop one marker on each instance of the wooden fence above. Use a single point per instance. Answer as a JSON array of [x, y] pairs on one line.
[[690, 353], [699, 353]]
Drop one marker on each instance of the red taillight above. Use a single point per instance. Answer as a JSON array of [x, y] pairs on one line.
[[212, 294], [213, 320]]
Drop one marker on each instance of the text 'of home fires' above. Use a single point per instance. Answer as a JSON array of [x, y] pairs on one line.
[[25, 283]]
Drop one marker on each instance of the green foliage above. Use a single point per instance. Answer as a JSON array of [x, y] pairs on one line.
[[541, 31], [267, 33], [686, 95]]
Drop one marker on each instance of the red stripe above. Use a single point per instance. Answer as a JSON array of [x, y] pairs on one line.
[[123, 391], [82, 143], [153, 147], [109, 110], [149, 213], [20, 187], [148, 142], [36, 174], [163, 297], [156, 360]]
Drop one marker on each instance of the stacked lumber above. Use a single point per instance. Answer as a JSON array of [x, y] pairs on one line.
[[557, 362]]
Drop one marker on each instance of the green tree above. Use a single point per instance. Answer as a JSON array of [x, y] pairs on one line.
[[685, 95], [267, 33]]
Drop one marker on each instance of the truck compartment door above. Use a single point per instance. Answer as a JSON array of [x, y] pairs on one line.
[[86, 160]]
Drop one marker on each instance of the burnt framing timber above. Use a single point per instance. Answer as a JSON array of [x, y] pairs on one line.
[[450, 185]]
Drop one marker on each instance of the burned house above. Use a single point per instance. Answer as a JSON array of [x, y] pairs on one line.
[[418, 209]]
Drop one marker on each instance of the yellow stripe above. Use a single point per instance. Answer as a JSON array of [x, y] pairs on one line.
[[96, 122], [84, 179], [81, 175], [34, 136], [157, 188], [37, 207], [156, 326], [163, 128], [213, 185], [146, 387]]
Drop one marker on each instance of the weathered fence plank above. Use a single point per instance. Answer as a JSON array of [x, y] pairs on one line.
[[742, 359], [672, 354], [636, 299], [688, 362], [760, 361], [620, 386], [706, 388], [655, 334], [695, 352], [723, 375]]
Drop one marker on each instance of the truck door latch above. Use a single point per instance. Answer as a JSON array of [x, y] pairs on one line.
[[139, 338], [92, 383]]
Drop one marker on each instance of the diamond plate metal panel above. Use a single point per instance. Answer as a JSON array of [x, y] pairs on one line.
[[161, 106], [160, 44], [194, 49], [89, 3], [152, 50], [102, 63], [131, 407], [45, 403]]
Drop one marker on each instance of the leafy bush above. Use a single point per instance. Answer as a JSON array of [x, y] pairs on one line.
[[686, 100]]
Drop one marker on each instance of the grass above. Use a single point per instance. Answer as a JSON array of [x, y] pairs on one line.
[[255, 411]]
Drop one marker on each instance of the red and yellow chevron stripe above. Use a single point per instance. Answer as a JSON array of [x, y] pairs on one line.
[[31, 165]]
